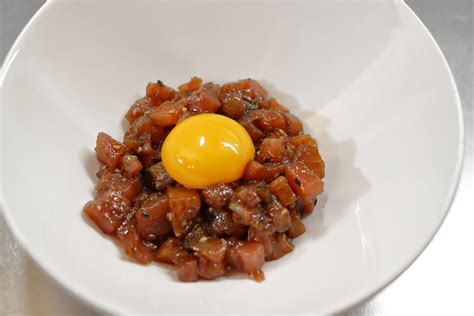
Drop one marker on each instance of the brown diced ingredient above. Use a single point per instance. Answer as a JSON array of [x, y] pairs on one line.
[[281, 246], [306, 207], [131, 165], [244, 200], [209, 270], [303, 139], [269, 120], [247, 194], [204, 102], [108, 210], [145, 194], [233, 106], [129, 187], [273, 150], [231, 258], [133, 245], [293, 125], [223, 224], [187, 269], [258, 276], [253, 86], [195, 234], [168, 113], [280, 216], [213, 249], [297, 226], [184, 208], [210, 87], [246, 85], [149, 154], [109, 151], [181, 198], [186, 115], [262, 236], [283, 191], [281, 134], [257, 171], [261, 187], [304, 182], [170, 251], [103, 170], [159, 93], [141, 132], [151, 217], [190, 86], [248, 256], [274, 105], [217, 195], [309, 154], [156, 177], [241, 213], [139, 108], [247, 121]]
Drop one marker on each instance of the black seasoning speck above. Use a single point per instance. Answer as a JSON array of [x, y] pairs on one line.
[[159, 82], [266, 160], [315, 202], [145, 215], [297, 181]]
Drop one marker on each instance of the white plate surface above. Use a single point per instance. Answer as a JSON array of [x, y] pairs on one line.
[[366, 77]]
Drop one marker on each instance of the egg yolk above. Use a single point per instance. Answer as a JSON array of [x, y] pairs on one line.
[[207, 149]]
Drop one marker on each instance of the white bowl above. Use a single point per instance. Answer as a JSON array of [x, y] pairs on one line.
[[367, 78]]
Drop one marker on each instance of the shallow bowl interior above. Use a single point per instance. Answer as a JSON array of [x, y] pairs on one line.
[[365, 77]]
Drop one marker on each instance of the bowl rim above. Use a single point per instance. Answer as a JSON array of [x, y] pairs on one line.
[[100, 307]]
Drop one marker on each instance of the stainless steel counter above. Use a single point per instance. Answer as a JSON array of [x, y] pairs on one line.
[[440, 282]]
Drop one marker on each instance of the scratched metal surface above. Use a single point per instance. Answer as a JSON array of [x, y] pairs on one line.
[[440, 282]]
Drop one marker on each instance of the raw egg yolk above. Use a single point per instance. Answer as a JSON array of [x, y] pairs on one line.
[[207, 149]]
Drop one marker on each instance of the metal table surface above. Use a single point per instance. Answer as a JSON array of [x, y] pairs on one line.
[[440, 282]]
